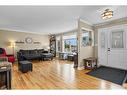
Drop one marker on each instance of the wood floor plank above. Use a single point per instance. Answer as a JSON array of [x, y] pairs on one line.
[[57, 74]]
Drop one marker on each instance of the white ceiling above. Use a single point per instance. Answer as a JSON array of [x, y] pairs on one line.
[[53, 19]]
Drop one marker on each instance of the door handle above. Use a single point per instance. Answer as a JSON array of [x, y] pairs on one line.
[[108, 49]]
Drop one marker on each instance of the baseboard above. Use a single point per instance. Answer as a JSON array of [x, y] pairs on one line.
[[81, 68], [99, 65], [113, 67]]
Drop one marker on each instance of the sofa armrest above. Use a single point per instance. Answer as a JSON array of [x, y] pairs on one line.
[[20, 56]]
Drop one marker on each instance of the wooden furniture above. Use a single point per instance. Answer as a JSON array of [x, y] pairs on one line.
[[22, 42], [19, 42], [76, 60], [53, 45], [5, 75], [90, 63]]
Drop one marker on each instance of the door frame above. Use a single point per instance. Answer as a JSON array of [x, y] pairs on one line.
[[110, 30]]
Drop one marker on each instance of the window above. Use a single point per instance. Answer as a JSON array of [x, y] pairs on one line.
[[58, 44], [102, 39], [86, 39], [117, 39], [70, 43]]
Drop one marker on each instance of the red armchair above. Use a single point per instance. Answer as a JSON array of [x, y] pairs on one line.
[[11, 58]]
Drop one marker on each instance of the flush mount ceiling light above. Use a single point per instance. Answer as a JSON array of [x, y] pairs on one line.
[[107, 14]]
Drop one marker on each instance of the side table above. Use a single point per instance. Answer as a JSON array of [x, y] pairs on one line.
[[89, 63]]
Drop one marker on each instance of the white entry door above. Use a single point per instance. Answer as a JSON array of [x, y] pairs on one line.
[[112, 47]]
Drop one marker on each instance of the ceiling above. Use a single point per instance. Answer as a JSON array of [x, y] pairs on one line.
[[53, 19]]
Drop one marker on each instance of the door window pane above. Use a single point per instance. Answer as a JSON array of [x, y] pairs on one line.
[[102, 39], [117, 39]]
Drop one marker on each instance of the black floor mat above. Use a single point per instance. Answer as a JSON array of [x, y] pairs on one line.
[[110, 74]]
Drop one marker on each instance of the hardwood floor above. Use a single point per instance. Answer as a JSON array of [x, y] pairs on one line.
[[57, 74]]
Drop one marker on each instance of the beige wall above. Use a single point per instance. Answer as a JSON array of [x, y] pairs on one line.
[[12, 36], [84, 52]]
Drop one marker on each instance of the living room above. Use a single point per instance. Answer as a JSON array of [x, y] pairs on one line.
[[47, 52]]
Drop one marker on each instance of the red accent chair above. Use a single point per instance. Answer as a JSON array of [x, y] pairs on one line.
[[11, 58]]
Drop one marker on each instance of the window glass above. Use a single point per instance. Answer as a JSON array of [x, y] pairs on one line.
[[58, 43], [86, 39], [102, 39], [70, 45], [117, 39]]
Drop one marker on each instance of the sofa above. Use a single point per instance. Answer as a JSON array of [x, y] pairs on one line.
[[10, 58], [47, 56], [36, 54]]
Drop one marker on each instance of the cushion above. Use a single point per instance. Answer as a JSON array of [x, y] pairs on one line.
[[24, 52], [40, 51], [1, 51]]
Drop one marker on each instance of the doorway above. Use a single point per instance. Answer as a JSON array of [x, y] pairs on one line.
[[112, 46]]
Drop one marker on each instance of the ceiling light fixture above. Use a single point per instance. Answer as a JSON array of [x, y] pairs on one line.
[[107, 14]]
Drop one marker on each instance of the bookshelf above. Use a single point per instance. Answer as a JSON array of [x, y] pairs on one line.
[[53, 45]]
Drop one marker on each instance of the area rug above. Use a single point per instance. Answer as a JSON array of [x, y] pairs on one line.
[[110, 74]]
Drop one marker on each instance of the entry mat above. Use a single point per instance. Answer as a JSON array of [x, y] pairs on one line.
[[110, 74]]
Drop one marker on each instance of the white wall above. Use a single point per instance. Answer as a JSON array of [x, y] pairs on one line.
[[12, 36], [120, 21]]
